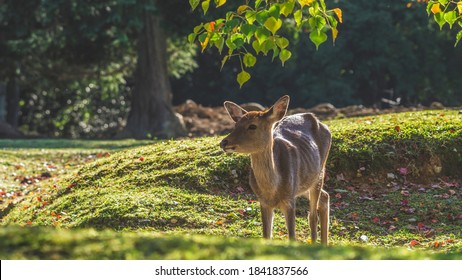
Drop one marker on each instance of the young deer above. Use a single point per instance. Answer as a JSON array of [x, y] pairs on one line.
[[288, 157]]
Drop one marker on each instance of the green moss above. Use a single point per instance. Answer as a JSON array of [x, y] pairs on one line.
[[421, 141]]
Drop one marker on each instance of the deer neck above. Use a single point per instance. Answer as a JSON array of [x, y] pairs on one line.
[[264, 167]]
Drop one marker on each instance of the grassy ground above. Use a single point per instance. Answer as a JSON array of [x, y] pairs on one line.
[[165, 191]]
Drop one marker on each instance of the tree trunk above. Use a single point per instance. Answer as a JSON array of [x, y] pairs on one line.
[[151, 113]]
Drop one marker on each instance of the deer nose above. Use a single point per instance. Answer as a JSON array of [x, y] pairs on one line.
[[223, 143]]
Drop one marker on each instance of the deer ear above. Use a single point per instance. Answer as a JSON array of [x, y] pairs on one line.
[[279, 109], [235, 111]]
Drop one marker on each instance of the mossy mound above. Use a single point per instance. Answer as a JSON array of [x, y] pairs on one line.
[[192, 187]]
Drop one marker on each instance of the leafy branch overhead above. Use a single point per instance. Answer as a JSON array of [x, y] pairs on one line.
[[447, 11], [255, 28]]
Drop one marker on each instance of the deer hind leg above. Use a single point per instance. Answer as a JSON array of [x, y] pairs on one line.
[[267, 214], [289, 214], [314, 195], [324, 216]]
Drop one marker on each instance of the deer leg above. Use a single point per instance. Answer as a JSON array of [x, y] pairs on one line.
[[289, 214], [313, 216], [267, 215], [324, 216]]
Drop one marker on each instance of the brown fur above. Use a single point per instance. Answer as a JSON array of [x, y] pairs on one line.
[[288, 157]]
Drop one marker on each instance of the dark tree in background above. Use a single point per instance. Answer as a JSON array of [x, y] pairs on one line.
[[151, 111], [96, 69], [90, 42]]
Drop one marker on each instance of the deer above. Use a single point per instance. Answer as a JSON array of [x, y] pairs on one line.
[[288, 157]]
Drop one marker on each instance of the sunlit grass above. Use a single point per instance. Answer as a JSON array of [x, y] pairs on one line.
[[162, 190]]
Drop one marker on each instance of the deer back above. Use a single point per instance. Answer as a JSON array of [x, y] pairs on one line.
[[300, 149]]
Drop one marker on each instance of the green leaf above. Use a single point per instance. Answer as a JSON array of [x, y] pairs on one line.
[[287, 7], [250, 16], [193, 4], [450, 17], [261, 34], [230, 44], [256, 46], [242, 9], [232, 23], [198, 28], [318, 38], [192, 37], [284, 56], [257, 3], [219, 44], [238, 40], [298, 17], [274, 10], [443, 2], [273, 24], [223, 61], [262, 16], [317, 22], [205, 6], [458, 37], [249, 60], [439, 18], [275, 53], [248, 30], [267, 46], [282, 42], [220, 2], [243, 77]]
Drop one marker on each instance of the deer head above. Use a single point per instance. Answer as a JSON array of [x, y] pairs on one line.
[[253, 130]]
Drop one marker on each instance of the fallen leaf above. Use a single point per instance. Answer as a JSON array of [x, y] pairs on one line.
[[420, 226], [340, 177], [405, 193], [414, 243], [337, 195], [391, 228], [403, 170], [141, 158], [376, 220], [354, 215], [397, 128]]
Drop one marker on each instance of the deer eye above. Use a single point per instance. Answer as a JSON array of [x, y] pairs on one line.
[[252, 127]]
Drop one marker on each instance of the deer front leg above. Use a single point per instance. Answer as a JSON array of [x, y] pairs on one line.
[[289, 214], [313, 216], [267, 215], [324, 216]]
